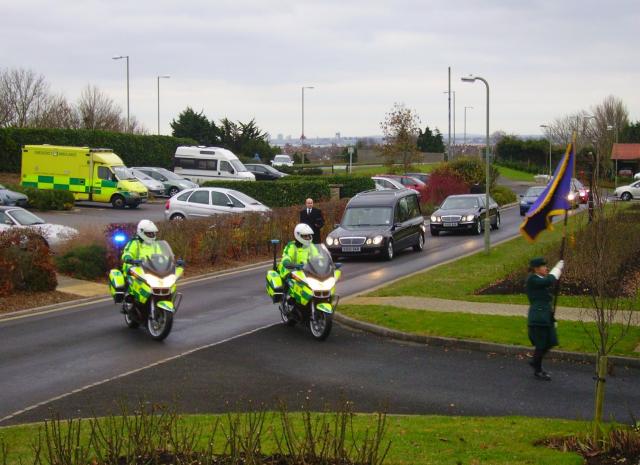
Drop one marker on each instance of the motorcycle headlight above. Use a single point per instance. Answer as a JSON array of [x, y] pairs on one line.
[[378, 240], [154, 281], [317, 285]]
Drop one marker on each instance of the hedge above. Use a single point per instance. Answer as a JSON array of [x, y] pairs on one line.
[[503, 195], [44, 200], [84, 262], [135, 150], [351, 185], [281, 193]]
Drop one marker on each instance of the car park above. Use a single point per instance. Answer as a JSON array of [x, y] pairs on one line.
[[17, 217], [201, 164], [208, 201], [424, 177], [529, 198], [155, 188], [282, 160], [264, 172], [9, 197], [409, 183], [628, 192], [379, 223], [172, 182], [464, 212]]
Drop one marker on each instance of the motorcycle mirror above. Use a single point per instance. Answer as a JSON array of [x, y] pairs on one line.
[[180, 262], [338, 265]]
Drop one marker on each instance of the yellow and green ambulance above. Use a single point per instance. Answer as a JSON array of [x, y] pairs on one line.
[[98, 175]]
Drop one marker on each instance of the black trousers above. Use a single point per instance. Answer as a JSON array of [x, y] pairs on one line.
[[538, 355]]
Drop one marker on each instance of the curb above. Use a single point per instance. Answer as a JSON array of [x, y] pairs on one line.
[[106, 297], [471, 344]]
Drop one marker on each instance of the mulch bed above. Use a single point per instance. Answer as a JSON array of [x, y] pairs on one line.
[[277, 459], [25, 300], [625, 451]]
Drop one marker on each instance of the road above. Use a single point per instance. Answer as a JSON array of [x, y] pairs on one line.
[[50, 355]]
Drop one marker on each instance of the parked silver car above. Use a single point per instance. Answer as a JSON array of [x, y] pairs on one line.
[[16, 217], [155, 188], [9, 197], [208, 201]]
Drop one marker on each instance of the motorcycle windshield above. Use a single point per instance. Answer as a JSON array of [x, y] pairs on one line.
[[320, 265], [161, 262]]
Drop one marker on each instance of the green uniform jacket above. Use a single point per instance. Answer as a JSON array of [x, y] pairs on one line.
[[294, 253], [542, 331]]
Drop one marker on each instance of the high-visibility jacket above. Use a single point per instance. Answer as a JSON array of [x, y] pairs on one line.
[[137, 249], [296, 254]]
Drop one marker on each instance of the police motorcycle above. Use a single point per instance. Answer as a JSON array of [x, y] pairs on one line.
[[308, 295], [148, 293]]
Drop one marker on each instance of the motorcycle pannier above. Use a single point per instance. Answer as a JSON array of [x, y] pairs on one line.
[[116, 285], [274, 286]]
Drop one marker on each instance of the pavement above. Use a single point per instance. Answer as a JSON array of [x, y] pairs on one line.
[[485, 308], [80, 287]]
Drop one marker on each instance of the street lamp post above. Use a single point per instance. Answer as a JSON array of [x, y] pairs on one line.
[[465, 125], [165, 76], [302, 136], [546, 126], [119, 58], [487, 220], [453, 92]]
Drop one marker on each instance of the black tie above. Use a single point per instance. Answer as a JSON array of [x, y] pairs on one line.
[[308, 211]]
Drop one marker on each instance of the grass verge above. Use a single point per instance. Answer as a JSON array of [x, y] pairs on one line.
[[414, 440], [510, 330], [514, 175], [374, 170]]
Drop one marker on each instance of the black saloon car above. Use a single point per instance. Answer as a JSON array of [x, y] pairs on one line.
[[529, 198], [464, 213], [264, 172], [379, 223]]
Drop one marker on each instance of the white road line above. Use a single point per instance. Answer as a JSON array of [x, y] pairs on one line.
[[131, 372]]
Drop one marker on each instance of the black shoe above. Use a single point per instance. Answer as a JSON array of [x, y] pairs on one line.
[[542, 375], [532, 363]]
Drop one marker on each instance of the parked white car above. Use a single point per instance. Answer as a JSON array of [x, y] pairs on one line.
[[208, 201], [383, 183], [155, 188], [16, 217], [628, 192], [282, 160], [636, 176]]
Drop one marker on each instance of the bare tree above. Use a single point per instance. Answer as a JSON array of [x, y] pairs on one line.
[[24, 97], [607, 303], [400, 129], [610, 117], [98, 111], [57, 113]]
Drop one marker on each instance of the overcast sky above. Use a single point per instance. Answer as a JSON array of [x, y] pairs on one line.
[[248, 59]]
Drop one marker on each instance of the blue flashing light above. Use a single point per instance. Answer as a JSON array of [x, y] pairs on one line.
[[119, 238]]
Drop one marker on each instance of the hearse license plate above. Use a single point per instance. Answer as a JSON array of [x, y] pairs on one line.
[[450, 225], [351, 249]]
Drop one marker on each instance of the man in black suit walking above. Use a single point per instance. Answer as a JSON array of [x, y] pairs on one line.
[[312, 217]]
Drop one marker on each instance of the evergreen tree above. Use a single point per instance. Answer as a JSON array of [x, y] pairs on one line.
[[429, 141], [196, 126]]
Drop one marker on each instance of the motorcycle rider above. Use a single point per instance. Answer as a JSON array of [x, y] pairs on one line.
[[298, 251], [141, 246]]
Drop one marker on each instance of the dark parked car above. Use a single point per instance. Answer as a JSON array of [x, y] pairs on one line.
[[464, 213], [264, 172], [529, 198], [12, 198], [379, 223]]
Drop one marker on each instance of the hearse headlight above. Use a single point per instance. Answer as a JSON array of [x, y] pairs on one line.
[[377, 240]]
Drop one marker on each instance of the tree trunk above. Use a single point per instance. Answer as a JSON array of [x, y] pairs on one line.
[[601, 369]]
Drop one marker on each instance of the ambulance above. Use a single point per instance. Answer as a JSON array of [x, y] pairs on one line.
[[97, 175]]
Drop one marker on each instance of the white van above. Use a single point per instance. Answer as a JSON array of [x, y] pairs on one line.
[[201, 164]]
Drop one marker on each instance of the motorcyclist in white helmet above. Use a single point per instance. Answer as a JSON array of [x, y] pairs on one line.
[[297, 252], [143, 245]]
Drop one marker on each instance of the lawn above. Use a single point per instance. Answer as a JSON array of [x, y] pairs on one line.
[[514, 175], [460, 279], [374, 170], [415, 440], [510, 330]]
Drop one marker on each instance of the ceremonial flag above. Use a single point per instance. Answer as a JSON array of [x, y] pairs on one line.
[[553, 201]]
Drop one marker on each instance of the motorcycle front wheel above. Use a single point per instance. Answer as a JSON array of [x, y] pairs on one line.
[[321, 326], [160, 327]]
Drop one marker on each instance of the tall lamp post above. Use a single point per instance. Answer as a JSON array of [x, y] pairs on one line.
[[548, 131], [302, 136], [614, 128], [487, 220], [453, 92], [120, 58], [465, 124], [165, 76]]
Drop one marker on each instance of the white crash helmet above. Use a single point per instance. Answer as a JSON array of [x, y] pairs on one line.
[[303, 234], [147, 231]]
